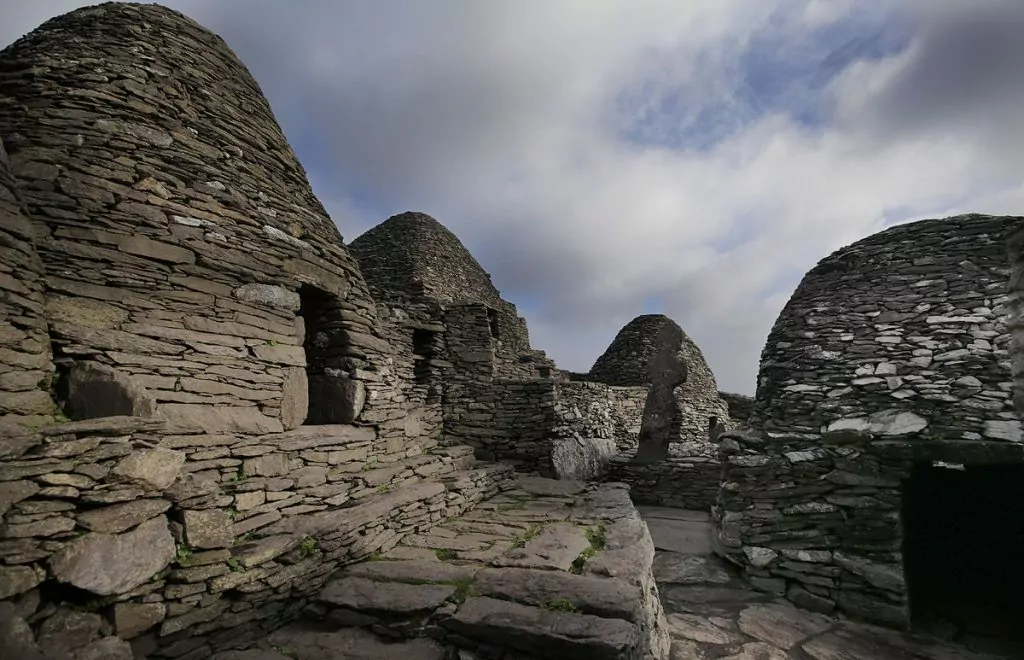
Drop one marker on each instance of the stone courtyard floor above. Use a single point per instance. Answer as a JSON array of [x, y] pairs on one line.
[[554, 569]]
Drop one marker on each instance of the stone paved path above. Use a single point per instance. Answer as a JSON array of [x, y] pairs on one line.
[[560, 570], [549, 570], [713, 615]]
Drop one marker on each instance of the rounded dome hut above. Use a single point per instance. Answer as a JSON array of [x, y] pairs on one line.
[[625, 363], [884, 473], [190, 269], [412, 261]]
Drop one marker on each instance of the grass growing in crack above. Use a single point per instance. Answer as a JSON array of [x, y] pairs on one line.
[[598, 540], [287, 651], [308, 547], [234, 566], [446, 554], [184, 552], [560, 605], [376, 556], [383, 488], [464, 588], [519, 540], [517, 502]]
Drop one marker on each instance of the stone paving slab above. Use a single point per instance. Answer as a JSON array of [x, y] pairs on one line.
[[712, 615], [548, 569]]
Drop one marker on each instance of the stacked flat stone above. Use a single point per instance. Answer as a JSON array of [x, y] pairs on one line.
[[740, 407], [25, 365], [176, 226], [1016, 292], [892, 352], [625, 362], [911, 320]]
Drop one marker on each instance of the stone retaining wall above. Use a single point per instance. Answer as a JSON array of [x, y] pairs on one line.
[[214, 543], [1016, 324], [684, 482]]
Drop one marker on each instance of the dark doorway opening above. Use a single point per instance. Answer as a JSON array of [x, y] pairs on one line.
[[492, 322], [963, 535], [423, 352], [325, 344]]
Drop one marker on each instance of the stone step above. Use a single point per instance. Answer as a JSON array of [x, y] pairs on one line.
[[305, 642], [545, 570]]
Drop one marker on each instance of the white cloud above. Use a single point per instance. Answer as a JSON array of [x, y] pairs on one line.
[[507, 120]]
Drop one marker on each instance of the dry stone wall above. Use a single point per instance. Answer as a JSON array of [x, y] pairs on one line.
[[25, 361], [688, 482], [184, 249], [625, 361], [892, 352], [217, 540], [907, 324], [740, 407]]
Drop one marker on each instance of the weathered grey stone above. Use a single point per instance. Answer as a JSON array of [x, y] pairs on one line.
[[16, 580], [368, 596], [781, 625], [120, 517], [270, 295], [12, 492], [555, 546], [133, 619], [699, 629], [207, 529], [591, 595], [543, 632], [582, 459], [294, 398], [108, 648], [269, 465], [350, 643], [154, 469], [86, 561]]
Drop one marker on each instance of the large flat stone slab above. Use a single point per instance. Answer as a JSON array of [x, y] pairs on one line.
[[392, 598], [590, 595], [549, 487], [307, 643], [682, 536], [670, 513], [783, 626], [413, 571], [544, 633], [674, 568], [554, 547]]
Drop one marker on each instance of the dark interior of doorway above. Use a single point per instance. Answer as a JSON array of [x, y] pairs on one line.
[[963, 547]]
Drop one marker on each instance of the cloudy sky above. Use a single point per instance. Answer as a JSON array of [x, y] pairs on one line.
[[608, 158]]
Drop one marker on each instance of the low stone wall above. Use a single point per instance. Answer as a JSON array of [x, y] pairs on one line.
[[822, 525], [683, 482], [740, 408], [217, 538], [596, 410]]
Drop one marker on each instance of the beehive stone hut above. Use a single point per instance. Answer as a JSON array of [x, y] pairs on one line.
[[185, 251], [883, 471], [624, 364], [413, 261]]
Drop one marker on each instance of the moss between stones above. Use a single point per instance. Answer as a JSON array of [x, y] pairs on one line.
[[596, 536], [560, 605], [519, 540]]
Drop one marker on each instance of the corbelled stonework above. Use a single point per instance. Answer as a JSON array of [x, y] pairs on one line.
[[885, 384], [25, 366], [908, 324]]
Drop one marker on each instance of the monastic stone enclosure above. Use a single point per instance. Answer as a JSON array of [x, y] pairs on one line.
[[882, 472]]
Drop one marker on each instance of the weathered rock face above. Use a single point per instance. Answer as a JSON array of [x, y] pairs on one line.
[[25, 365], [182, 242], [625, 363], [666, 372], [891, 361], [914, 318]]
